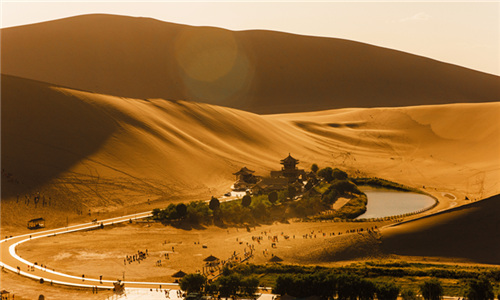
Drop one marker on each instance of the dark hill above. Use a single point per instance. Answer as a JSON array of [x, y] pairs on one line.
[[470, 232], [258, 71]]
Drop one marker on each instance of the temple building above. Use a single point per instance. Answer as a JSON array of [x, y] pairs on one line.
[[270, 184], [289, 170], [244, 179], [289, 175]]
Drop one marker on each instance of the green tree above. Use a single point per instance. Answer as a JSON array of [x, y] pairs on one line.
[[387, 291], [193, 283], [211, 288], [326, 174], [329, 197], [479, 289], [338, 174], [246, 201], [431, 289], [273, 197], [344, 187], [181, 210], [198, 212], [250, 285], [314, 168], [366, 290], [229, 285], [409, 295], [347, 286], [214, 204], [284, 284]]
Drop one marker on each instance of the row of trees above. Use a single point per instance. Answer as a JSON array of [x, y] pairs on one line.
[[353, 287], [232, 285], [328, 286], [362, 282], [376, 269]]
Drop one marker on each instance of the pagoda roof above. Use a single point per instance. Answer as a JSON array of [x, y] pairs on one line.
[[244, 170], [289, 159]]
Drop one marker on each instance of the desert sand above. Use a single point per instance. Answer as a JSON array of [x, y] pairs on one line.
[[110, 154], [255, 70], [113, 115]]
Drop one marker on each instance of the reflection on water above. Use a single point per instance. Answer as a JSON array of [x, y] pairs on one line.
[[385, 203]]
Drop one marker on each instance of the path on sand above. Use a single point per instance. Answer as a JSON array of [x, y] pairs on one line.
[[11, 261]]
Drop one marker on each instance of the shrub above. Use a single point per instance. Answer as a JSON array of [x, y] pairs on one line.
[[431, 289]]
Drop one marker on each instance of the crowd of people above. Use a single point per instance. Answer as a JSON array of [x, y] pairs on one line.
[[140, 255]]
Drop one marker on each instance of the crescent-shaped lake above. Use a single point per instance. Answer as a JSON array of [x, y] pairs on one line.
[[386, 203]]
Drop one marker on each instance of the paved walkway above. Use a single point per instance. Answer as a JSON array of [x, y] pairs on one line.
[[11, 261]]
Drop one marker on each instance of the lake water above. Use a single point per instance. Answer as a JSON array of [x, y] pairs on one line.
[[386, 203]]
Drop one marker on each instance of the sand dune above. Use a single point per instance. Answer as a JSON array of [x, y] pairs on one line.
[[258, 71], [88, 150], [468, 232]]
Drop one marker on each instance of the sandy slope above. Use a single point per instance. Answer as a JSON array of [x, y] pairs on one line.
[[105, 153], [259, 71], [470, 232]]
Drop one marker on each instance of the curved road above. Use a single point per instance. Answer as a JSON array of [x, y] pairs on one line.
[[11, 261]]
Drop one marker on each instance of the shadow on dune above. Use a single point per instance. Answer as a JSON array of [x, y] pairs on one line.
[[45, 132], [469, 232]]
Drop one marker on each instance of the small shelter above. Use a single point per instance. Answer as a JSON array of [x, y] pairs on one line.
[[6, 295], [179, 274], [275, 259], [211, 259], [36, 223]]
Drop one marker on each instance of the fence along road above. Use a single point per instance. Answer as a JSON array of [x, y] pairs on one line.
[[11, 261]]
